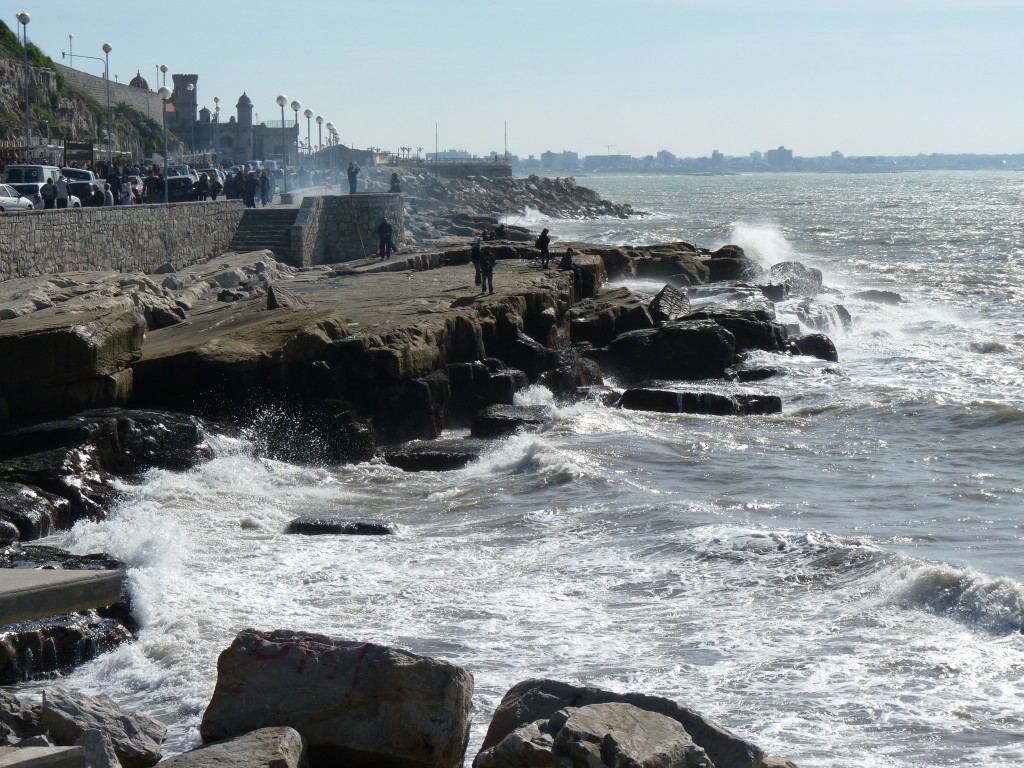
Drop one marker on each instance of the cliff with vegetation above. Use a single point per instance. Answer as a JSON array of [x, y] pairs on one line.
[[59, 110]]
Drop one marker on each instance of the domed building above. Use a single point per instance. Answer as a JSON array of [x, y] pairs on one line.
[[139, 81]]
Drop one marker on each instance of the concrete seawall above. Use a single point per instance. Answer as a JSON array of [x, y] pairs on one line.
[[135, 238]]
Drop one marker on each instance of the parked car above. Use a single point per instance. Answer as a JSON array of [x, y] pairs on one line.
[[181, 169], [78, 174], [31, 191], [30, 174], [179, 189], [89, 192], [12, 200]]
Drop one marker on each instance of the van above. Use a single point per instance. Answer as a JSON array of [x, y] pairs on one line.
[[28, 174]]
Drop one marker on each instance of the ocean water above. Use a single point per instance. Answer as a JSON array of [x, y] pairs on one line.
[[842, 584]]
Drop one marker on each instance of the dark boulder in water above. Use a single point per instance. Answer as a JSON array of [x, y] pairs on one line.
[[689, 350], [752, 329], [816, 345], [435, 456], [670, 304], [321, 525], [730, 263], [502, 420], [706, 403], [802, 281], [879, 297]]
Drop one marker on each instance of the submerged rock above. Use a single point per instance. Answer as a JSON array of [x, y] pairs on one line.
[[321, 525], [503, 420]]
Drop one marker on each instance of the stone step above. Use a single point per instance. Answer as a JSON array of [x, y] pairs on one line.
[[42, 757], [37, 593]]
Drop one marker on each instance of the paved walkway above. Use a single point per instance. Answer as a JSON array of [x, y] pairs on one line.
[[35, 593]]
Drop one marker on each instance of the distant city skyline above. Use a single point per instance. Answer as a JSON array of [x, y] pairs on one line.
[[876, 77]]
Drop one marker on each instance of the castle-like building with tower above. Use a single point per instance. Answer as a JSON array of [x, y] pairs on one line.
[[237, 139]]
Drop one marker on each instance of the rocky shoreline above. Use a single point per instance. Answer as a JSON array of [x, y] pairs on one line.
[[118, 373]]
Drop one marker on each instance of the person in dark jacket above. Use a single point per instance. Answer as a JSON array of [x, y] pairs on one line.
[[266, 191], [474, 256], [385, 233], [250, 187], [487, 260], [543, 243], [396, 183], [353, 176]]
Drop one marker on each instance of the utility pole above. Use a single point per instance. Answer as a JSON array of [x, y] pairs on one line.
[[608, 148]]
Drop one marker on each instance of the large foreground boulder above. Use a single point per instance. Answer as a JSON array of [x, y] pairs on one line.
[[595, 736], [355, 703], [68, 714], [533, 700], [277, 747]]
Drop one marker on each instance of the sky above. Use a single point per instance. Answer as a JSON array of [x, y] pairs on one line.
[[863, 77]]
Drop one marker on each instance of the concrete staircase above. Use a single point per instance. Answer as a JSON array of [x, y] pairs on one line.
[[265, 228]]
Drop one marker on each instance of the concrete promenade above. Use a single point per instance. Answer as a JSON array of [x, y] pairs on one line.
[[36, 593]]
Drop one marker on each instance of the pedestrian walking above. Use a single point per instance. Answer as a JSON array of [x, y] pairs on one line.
[[487, 271], [265, 188]]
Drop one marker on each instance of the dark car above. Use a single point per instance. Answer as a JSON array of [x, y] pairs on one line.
[[179, 189], [89, 192]]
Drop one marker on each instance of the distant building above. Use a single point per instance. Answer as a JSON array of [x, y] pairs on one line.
[[560, 161], [779, 159]]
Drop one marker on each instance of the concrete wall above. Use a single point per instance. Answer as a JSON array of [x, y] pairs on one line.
[[335, 228], [130, 238], [147, 102]]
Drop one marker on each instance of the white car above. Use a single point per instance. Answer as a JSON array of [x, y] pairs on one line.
[[31, 191], [12, 200]]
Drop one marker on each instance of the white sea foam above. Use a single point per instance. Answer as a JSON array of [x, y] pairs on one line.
[[841, 583]]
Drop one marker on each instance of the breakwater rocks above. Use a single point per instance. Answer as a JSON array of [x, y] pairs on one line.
[[463, 206], [298, 699], [339, 364]]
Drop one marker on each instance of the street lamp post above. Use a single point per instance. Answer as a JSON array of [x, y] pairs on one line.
[[309, 147], [296, 106], [216, 131], [163, 69], [165, 94], [71, 50], [110, 127], [192, 110], [319, 142], [281, 101], [24, 18]]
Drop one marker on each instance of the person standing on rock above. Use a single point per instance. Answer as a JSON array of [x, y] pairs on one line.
[[474, 256], [396, 183], [543, 243], [353, 176], [487, 271], [385, 233]]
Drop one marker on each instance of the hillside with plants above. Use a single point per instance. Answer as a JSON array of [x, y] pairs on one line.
[[58, 109]]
